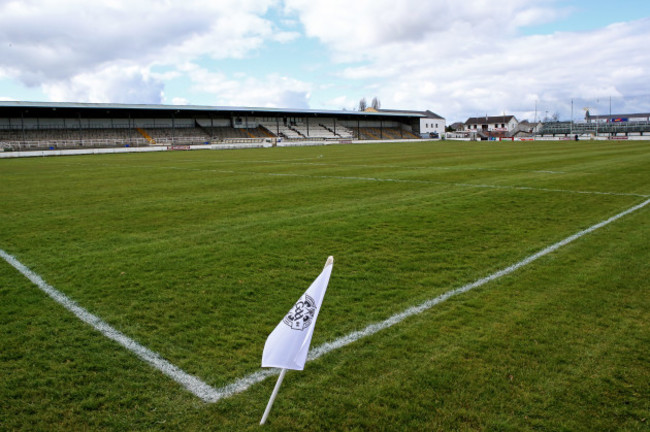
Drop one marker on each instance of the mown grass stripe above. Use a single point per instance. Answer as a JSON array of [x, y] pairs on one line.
[[464, 185], [244, 383], [208, 393], [346, 165], [190, 382], [394, 180]]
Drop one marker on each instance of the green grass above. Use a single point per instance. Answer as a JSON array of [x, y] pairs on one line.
[[198, 255]]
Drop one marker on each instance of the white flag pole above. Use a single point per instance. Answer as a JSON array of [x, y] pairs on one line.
[[287, 346], [273, 395]]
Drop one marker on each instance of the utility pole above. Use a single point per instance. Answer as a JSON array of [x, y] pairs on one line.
[[610, 108], [571, 126]]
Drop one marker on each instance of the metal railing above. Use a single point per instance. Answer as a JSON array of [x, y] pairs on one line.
[[58, 144], [566, 128]]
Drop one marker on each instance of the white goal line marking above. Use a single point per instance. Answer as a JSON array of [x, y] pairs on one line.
[[208, 393], [244, 383], [190, 382]]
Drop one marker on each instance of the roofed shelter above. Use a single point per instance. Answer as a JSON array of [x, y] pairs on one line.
[[27, 125]]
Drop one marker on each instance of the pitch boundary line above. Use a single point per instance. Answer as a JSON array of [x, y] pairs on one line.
[[189, 382], [210, 394], [344, 165], [467, 185], [391, 180], [246, 382]]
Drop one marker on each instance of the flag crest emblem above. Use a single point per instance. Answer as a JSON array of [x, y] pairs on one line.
[[301, 314], [288, 344], [286, 348]]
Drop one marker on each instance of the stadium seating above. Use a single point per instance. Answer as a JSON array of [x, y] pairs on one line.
[[394, 133], [337, 130], [613, 129], [167, 136], [145, 135], [283, 130], [30, 139]]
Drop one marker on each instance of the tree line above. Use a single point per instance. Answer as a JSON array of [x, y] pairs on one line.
[[363, 105]]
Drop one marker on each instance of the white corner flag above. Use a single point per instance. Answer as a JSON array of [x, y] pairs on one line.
[[287, 346]]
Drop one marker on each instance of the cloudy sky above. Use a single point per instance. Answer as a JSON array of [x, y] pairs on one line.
[[457, 58]]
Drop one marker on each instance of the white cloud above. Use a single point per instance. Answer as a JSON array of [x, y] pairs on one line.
[[364, 26], [63, 45], [114, 83], [342, 102], [466, 58], [273, 91], [456, 58], [179, 101]]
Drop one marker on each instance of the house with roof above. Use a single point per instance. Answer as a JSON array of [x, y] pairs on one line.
[[492, 126], [457, 126]]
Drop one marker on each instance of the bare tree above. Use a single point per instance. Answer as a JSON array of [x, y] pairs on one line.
[[376, 103], [363, 104]]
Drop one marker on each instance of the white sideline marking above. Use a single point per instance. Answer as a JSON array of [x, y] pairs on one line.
[[209, 394], [190, 382], [244, 383]]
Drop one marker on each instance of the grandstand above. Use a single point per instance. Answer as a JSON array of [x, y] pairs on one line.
[[388, 133], [303, 128], [431, 124], [612, 125], [617, 118], [611, 129], [45, 125]]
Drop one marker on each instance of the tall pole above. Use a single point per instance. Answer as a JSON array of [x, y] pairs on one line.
[[571, 127]]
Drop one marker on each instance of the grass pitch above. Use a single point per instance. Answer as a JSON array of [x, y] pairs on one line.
[[198, 255]]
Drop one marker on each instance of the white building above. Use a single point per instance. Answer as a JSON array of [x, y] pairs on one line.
[[502, 125]]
